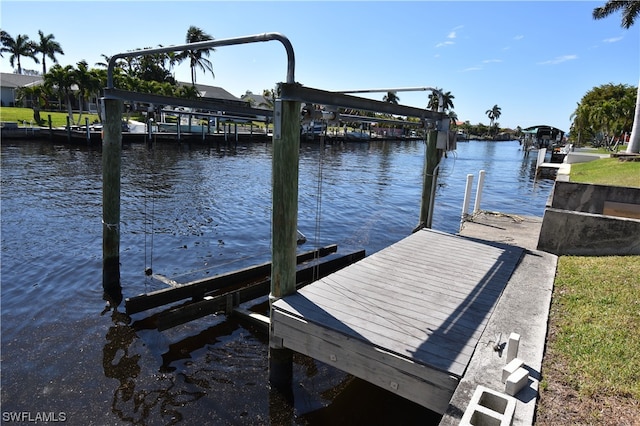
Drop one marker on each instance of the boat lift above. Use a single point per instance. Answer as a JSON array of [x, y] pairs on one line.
[[286, 147]]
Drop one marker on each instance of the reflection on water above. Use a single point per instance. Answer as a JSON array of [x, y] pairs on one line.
[[193, 212]]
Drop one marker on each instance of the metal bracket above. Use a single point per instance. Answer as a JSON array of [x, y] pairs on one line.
[[277, 119]]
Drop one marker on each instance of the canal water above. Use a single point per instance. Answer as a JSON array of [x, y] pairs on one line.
[[190, 212]]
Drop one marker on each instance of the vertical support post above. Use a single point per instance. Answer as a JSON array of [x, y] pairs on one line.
[[284, 225], [50, 127], [68, 129], [476, 206], [542, 152], [111, 152], [429, 178], [466, 200], [86, 126], [178, 129], [149, 130]]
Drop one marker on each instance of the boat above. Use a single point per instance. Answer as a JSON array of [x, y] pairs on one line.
[[357, 136], [312, 130]]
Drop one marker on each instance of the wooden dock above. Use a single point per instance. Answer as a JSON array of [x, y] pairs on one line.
[[407, 318]]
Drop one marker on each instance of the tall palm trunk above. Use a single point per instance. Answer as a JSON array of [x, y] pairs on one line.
[[69, 108], [634, 141]]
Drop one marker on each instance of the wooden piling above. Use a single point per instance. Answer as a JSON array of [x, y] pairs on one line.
[[111, 152], [429, 177], [68, 129], [284, 224]]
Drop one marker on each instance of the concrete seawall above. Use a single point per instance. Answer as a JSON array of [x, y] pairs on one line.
[[591, 220]]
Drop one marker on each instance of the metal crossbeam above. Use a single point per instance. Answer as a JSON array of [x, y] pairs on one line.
[[299, 93], [207, 104]]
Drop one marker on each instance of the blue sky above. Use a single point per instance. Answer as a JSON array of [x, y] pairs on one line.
[[535, 60]]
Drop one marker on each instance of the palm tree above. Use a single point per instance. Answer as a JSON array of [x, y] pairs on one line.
[[48, 47], [196, 59], [60, 80], [34, 96], [4, 39], [493, 114], [88, 84], [453, 119], [630, 11], [19, 47], [391, 97], [434, 101], [269, 96]]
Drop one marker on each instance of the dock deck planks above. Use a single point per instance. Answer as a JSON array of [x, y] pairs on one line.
[[407, 318]]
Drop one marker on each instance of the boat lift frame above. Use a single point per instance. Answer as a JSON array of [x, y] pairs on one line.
[[286, 147]]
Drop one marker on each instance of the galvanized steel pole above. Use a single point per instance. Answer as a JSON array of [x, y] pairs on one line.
[[209, 44]]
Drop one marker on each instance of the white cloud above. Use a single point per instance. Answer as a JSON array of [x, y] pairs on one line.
[[445, 43], [472, 69], [489, 61], [559, 60], [612, 39], [452, 34], [518, 37]]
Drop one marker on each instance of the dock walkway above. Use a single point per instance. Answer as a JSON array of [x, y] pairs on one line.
[[522, 309], [407, 318]]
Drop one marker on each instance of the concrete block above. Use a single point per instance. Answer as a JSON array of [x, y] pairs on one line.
[[511, 368], [574, 233], [488, 408], [512, 347], [516, 381]]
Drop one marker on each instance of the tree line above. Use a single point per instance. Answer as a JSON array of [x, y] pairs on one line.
[[604, 113], [146, 74]]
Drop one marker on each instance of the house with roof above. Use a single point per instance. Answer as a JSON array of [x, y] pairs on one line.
[[9, 83]]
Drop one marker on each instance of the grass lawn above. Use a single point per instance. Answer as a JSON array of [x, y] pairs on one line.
[[607, 171], [58, 119], [597, 308], [590, 367]]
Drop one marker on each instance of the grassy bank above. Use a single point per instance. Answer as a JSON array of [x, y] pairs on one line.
[[607, 171], [21, 115], [590, 368]]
